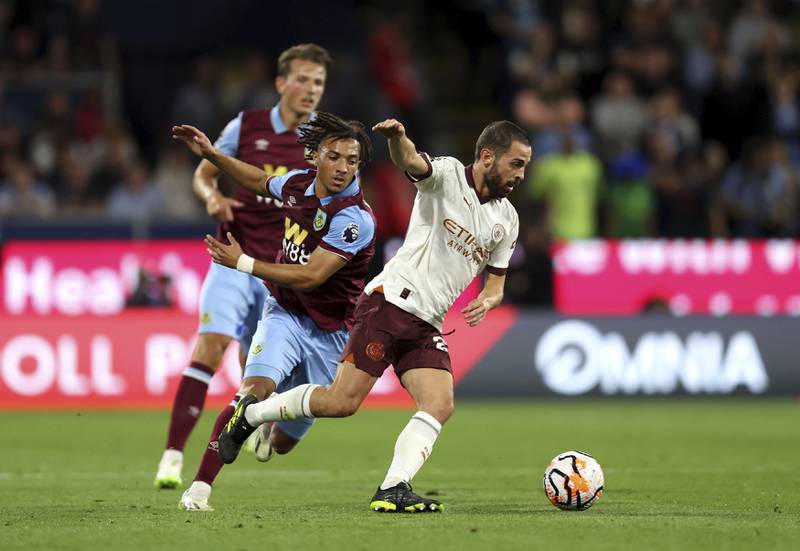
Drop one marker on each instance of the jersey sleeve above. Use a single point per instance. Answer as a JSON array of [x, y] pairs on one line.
[[228, 141], [275, 183], [498, 263], [433, 177], [351, 230]]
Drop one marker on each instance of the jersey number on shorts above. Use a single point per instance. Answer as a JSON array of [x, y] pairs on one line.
[[440, 343]]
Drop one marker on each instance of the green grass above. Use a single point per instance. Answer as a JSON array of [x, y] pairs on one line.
[[680, 474]]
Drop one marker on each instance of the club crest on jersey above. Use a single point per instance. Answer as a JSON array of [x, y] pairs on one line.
[[261, 144], [350, 233], [256, 350], [498, 232], [205, 319], [292, 200], [319, 219]]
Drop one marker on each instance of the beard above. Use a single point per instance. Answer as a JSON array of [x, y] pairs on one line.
[[494, 182]]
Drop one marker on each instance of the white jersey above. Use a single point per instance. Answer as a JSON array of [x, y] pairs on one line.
[[451, 238]]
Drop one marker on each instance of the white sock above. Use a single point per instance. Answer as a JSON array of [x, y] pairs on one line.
[[413, 447], [292, 404]]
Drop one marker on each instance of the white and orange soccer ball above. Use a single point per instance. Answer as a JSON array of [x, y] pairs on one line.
[[573, 481]]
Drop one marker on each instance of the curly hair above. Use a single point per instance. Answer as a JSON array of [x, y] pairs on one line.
[[325, 126]]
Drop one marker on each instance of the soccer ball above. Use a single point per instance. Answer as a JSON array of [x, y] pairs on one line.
[[573, 481]]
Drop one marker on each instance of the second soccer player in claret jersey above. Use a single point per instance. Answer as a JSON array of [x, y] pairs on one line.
[[231, 302], [462, 224]]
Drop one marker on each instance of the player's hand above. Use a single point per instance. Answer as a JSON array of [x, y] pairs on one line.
[[220, 207], [227, 255], [194, 140], [475, 311], [391, 128]]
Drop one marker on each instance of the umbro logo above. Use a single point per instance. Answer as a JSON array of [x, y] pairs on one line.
[[261, 144]]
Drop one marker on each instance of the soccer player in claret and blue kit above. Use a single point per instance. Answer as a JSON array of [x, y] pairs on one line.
[[328, 241], [230, 301], [462, 224]]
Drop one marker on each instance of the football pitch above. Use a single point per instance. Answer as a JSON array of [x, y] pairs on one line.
[[680, 474]]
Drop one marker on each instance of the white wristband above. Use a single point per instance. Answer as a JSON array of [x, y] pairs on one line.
[[245, 263]]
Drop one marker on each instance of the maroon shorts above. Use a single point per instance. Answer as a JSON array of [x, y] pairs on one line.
[[384, 334]]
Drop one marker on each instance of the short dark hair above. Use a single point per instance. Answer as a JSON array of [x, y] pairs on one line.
[[324, 126], [306, 52], [498, 137]]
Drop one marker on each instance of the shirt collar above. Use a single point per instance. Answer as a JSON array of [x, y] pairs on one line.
[[471, 182], [277, 122]]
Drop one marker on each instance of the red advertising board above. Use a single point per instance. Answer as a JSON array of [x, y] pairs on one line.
[[74, 278], [135, 359], [68, 341], [689, 277]]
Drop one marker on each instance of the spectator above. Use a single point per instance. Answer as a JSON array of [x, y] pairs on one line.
[[630, 201], [676, 128], [759, 191], [174, 175], [618, 117], [136, 198], [252, 88], [198, 101], [21, 194], [569, 184], [581, 55], [568, 114], [75, 194]]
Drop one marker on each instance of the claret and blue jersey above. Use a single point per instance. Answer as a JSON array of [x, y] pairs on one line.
[[342, 224]]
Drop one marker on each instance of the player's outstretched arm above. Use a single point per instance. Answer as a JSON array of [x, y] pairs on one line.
[[321, 265], [204, 184], [401, 149], [244, 174], [491, 296]]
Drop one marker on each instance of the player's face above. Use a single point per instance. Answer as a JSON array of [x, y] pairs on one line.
[[302, 88], [508, 170], [337, 162]]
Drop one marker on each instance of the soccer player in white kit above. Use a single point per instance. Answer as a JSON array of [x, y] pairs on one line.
[[461, 224]]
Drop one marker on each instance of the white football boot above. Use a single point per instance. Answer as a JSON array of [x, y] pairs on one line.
[[196, 497], [169, 470], [262, 445]]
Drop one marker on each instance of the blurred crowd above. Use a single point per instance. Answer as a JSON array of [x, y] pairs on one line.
[[654, 118], [666, 118], [673, 118]]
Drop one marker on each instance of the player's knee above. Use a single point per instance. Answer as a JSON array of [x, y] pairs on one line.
[[441, 410], [261, 387], [345, 407], [210, 349]]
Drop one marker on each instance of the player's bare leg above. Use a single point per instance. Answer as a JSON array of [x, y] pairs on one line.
[[432, 390], [341, 399], [345, 395], [188, 404]]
